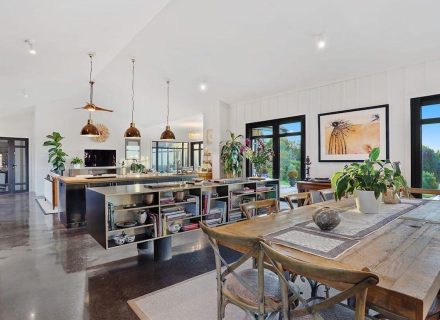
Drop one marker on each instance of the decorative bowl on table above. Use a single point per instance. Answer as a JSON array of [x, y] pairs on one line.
[[179, 196], [327, 218]]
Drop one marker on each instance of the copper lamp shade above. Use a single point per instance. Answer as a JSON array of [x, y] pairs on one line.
[[89, 130], [132, 132], [167, 134]]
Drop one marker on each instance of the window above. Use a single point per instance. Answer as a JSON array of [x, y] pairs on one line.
[[132, 149], [286, 137], [196, 154], [168, 156], [425, 142]]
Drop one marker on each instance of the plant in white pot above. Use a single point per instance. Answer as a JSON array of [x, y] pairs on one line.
[[76, 163], [366, 180]]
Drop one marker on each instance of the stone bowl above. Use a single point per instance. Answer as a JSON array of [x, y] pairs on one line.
[[149, 198], [327, 218], [179, 196]]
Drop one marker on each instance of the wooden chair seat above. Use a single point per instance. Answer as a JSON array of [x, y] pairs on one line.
[[234, 289]]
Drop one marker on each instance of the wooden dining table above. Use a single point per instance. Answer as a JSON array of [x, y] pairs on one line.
[[404, 254]]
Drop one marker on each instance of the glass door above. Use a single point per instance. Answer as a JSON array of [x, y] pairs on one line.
[[286, 137], [4, 166], [14, 165], [425, 118]]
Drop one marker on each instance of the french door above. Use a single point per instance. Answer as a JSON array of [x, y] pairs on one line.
[[14, 165], [286, 137], [425, 142]]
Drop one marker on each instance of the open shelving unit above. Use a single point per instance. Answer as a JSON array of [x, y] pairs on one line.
[[214, 203]]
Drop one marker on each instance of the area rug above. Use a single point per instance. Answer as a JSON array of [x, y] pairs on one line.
[[45, 206], [193, 299]]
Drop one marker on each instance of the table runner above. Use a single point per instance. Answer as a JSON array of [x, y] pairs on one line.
[[429, 212], [354, 226]]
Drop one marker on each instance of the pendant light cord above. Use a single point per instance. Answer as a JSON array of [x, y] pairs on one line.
[[168, 104], [90, 78], [132, 93]]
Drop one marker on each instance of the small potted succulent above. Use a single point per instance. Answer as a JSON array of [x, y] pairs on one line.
[[76, 163], [366, 180], [292, 175], [137, 167]]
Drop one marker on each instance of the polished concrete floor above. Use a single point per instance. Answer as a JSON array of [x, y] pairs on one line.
[[49, 272]]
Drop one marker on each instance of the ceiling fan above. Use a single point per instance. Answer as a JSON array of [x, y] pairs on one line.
[[90, 106]]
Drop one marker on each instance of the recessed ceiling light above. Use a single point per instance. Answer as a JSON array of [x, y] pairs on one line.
[[32, 50], [321, 42], [203, 86]]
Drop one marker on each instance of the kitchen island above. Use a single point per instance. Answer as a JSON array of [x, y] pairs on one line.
[[72, 191]]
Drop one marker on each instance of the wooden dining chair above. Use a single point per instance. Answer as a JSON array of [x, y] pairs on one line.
[[301, 198], [256, 291], [327, 194], [250, 209], [356, 284]]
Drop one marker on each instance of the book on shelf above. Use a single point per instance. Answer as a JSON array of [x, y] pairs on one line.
[[111, 216], [206, 195], [245, 190]]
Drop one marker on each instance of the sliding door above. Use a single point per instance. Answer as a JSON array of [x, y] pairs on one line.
[[425, 142], [287, 139]]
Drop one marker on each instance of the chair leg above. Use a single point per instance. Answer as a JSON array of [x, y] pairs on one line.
[[361, 300]]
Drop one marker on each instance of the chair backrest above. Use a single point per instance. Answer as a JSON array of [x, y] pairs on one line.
[[253, 244], [302, 197], [327, 194], [357, 282], [315, 196], [249, 209], [419, 191]]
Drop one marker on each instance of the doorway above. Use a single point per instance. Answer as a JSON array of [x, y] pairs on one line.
[[14, 165]]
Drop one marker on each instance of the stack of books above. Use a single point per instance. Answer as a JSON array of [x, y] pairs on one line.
[[172, 213], [167, 200], [264, 188], [234, 216]]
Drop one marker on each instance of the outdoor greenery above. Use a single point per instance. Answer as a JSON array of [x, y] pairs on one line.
[[431, 168], [231, 155], [370, 175], [290, 160], [260, 156], [57, 157]]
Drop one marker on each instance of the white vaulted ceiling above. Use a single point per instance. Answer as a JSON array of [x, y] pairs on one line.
[[242, 48]]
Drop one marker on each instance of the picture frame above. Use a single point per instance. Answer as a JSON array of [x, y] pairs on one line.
[[349, 135]]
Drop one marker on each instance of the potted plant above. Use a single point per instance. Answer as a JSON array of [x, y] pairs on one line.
[[292, 175], [395, 182], [260, 157], [76, 163], [57, 157], [367, 180], [137, 167], [231, 156]]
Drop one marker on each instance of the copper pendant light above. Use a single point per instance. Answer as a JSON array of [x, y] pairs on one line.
[[168, 134], [132, 132], [90, 130]]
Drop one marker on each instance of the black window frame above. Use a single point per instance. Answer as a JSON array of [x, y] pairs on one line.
[[275, 123], [416, 135], [155, 145], [200, 152]]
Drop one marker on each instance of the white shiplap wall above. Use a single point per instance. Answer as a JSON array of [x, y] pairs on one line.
[[394, 87]]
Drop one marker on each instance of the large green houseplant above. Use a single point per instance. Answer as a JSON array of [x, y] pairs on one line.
[[231, 155], [368, 181], [57, 157]]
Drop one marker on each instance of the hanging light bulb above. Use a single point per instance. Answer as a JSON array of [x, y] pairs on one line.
[[90, 130], [132, 132], [168, 134]]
